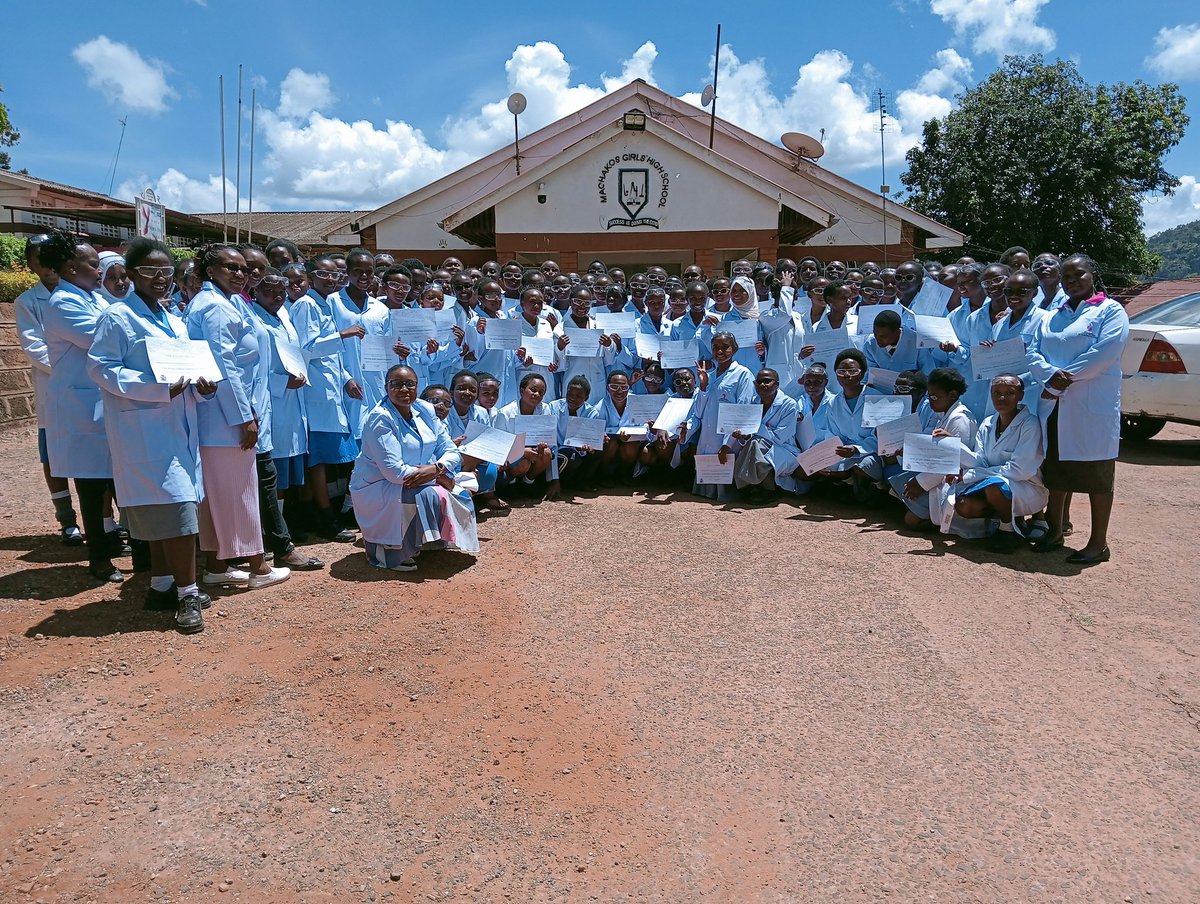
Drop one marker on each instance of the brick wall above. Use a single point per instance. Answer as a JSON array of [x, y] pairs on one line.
[[16, 381]]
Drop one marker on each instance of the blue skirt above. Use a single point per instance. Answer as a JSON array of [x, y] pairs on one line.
[[331, 448], [289, 472]]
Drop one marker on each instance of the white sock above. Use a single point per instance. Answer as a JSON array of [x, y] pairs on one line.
[[61, 494], [109, 525], [188, 590], [1006, 526], [161, 582]]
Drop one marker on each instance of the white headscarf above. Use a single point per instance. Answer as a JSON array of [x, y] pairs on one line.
[[107, 260], [748, 310]]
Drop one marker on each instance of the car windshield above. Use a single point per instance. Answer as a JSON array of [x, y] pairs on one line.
[[1183, 311]]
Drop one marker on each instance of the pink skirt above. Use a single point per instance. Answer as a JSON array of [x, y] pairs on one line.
[[229, 519]]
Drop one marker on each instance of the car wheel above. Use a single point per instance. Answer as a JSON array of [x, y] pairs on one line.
[[1138, 429]]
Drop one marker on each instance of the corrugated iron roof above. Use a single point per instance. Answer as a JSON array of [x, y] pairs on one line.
[[304, 227], [1139, 297]]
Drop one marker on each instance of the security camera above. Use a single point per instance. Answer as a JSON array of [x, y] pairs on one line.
[[541, 193]]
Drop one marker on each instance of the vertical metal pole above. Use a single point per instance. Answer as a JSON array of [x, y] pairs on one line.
[[883, 174], [250, 213], [224, 201], [712, 121], [517, 144], [237, 188]]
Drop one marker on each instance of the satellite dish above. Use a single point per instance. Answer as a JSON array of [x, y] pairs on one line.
[[516, 103], [707, 97], [803, 145]]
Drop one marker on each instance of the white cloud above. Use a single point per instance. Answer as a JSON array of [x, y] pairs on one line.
[[302, 93], [317, 161], [542, 74], [309, 159], [997, 26], [181, 192], [117, 70], [1161, 212], [827, 96], [1176, 52]]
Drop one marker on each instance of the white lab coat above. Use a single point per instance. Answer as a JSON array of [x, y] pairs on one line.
[[1025, 328], [783, 335], [1087, 342], [541, 329], [30, 309], [594, 368], [242, 348], [155, 440], [1015, 456], [500, 363], [75, 436], [392, 448], [289, 424]]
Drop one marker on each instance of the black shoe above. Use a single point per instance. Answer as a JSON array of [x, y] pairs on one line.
[[117, 546], [188, 618], [106, 571], [1005, 542], [1048, 544], [161, 600], [1082, 558], [71, 535], [330, 530]]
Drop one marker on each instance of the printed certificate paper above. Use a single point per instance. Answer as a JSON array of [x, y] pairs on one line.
[[190, 359]]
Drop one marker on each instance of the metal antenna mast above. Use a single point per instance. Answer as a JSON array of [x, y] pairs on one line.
[[113, 176], [884, 188]]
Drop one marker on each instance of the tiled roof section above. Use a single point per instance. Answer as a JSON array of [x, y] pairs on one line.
[[304, 227], [95, 196], [1138, 298]]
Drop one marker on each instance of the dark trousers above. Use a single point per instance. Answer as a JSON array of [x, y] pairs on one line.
[[276, 536], [90, 491]]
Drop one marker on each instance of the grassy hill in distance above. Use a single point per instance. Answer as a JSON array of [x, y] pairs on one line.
[[1180, 250]]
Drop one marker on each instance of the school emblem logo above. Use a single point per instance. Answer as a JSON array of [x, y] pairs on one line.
[[633, 189], [634, 186]]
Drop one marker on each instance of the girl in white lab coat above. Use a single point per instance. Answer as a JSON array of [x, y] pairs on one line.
[[1076, 356], [538, 460], [766, 460], [153, 433], [534, 325], [592, 367], [76, 443], [405, 495], [1002, 478]]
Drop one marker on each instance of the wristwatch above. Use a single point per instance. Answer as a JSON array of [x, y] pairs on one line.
[[441, 468]]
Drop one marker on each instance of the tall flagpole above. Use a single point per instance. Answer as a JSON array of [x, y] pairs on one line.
[[224, 201], [237, 188]]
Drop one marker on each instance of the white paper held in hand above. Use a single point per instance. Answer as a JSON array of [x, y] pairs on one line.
[[375, 353], [502, 334], [672, 415], [191, 359], [679, 353], [820, 457], [292, 358], [538, 428], [891, 434], [584, 343], [539, 348], [734, 417], [926, 455], [1006, 356], [710, 470], [585, 431], [491, 445], [878, 410]]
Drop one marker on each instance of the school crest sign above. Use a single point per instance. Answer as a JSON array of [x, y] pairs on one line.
[[635, 188]]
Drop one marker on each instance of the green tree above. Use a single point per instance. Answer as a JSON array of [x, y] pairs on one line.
[[8, 136], [1179, 248], [1036, 156]]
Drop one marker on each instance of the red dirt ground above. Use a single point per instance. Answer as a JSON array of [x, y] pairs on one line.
[[625, 697]]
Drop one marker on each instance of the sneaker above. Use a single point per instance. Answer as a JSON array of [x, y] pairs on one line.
[[274, 576], [71, 536], [230, 577], [188, 618], [406, 565], [161, 600]]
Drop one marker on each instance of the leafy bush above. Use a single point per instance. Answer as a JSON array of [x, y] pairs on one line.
[[182, 254], [12, 251], [14, 282]]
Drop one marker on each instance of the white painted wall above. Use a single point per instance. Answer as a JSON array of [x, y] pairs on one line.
[[699, 198]]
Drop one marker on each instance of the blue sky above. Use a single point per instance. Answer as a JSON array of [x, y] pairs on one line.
[[360, 104]]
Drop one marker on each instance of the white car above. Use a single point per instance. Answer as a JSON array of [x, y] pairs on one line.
[[1161, 367]]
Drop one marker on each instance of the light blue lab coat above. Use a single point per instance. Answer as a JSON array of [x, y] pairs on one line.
[[242, 348], [289, 424], [594, 368], [325, 395], [375, 318], [457, 423], [560, 408], [1087, 342], [75, 436], [30, 307], [500, 363], [154, 439], [745, 356]]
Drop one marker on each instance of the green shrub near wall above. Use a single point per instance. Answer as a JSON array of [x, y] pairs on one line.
[[12, 251], [14, 282]]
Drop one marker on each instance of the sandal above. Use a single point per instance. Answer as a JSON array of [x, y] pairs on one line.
[[302, 562]]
